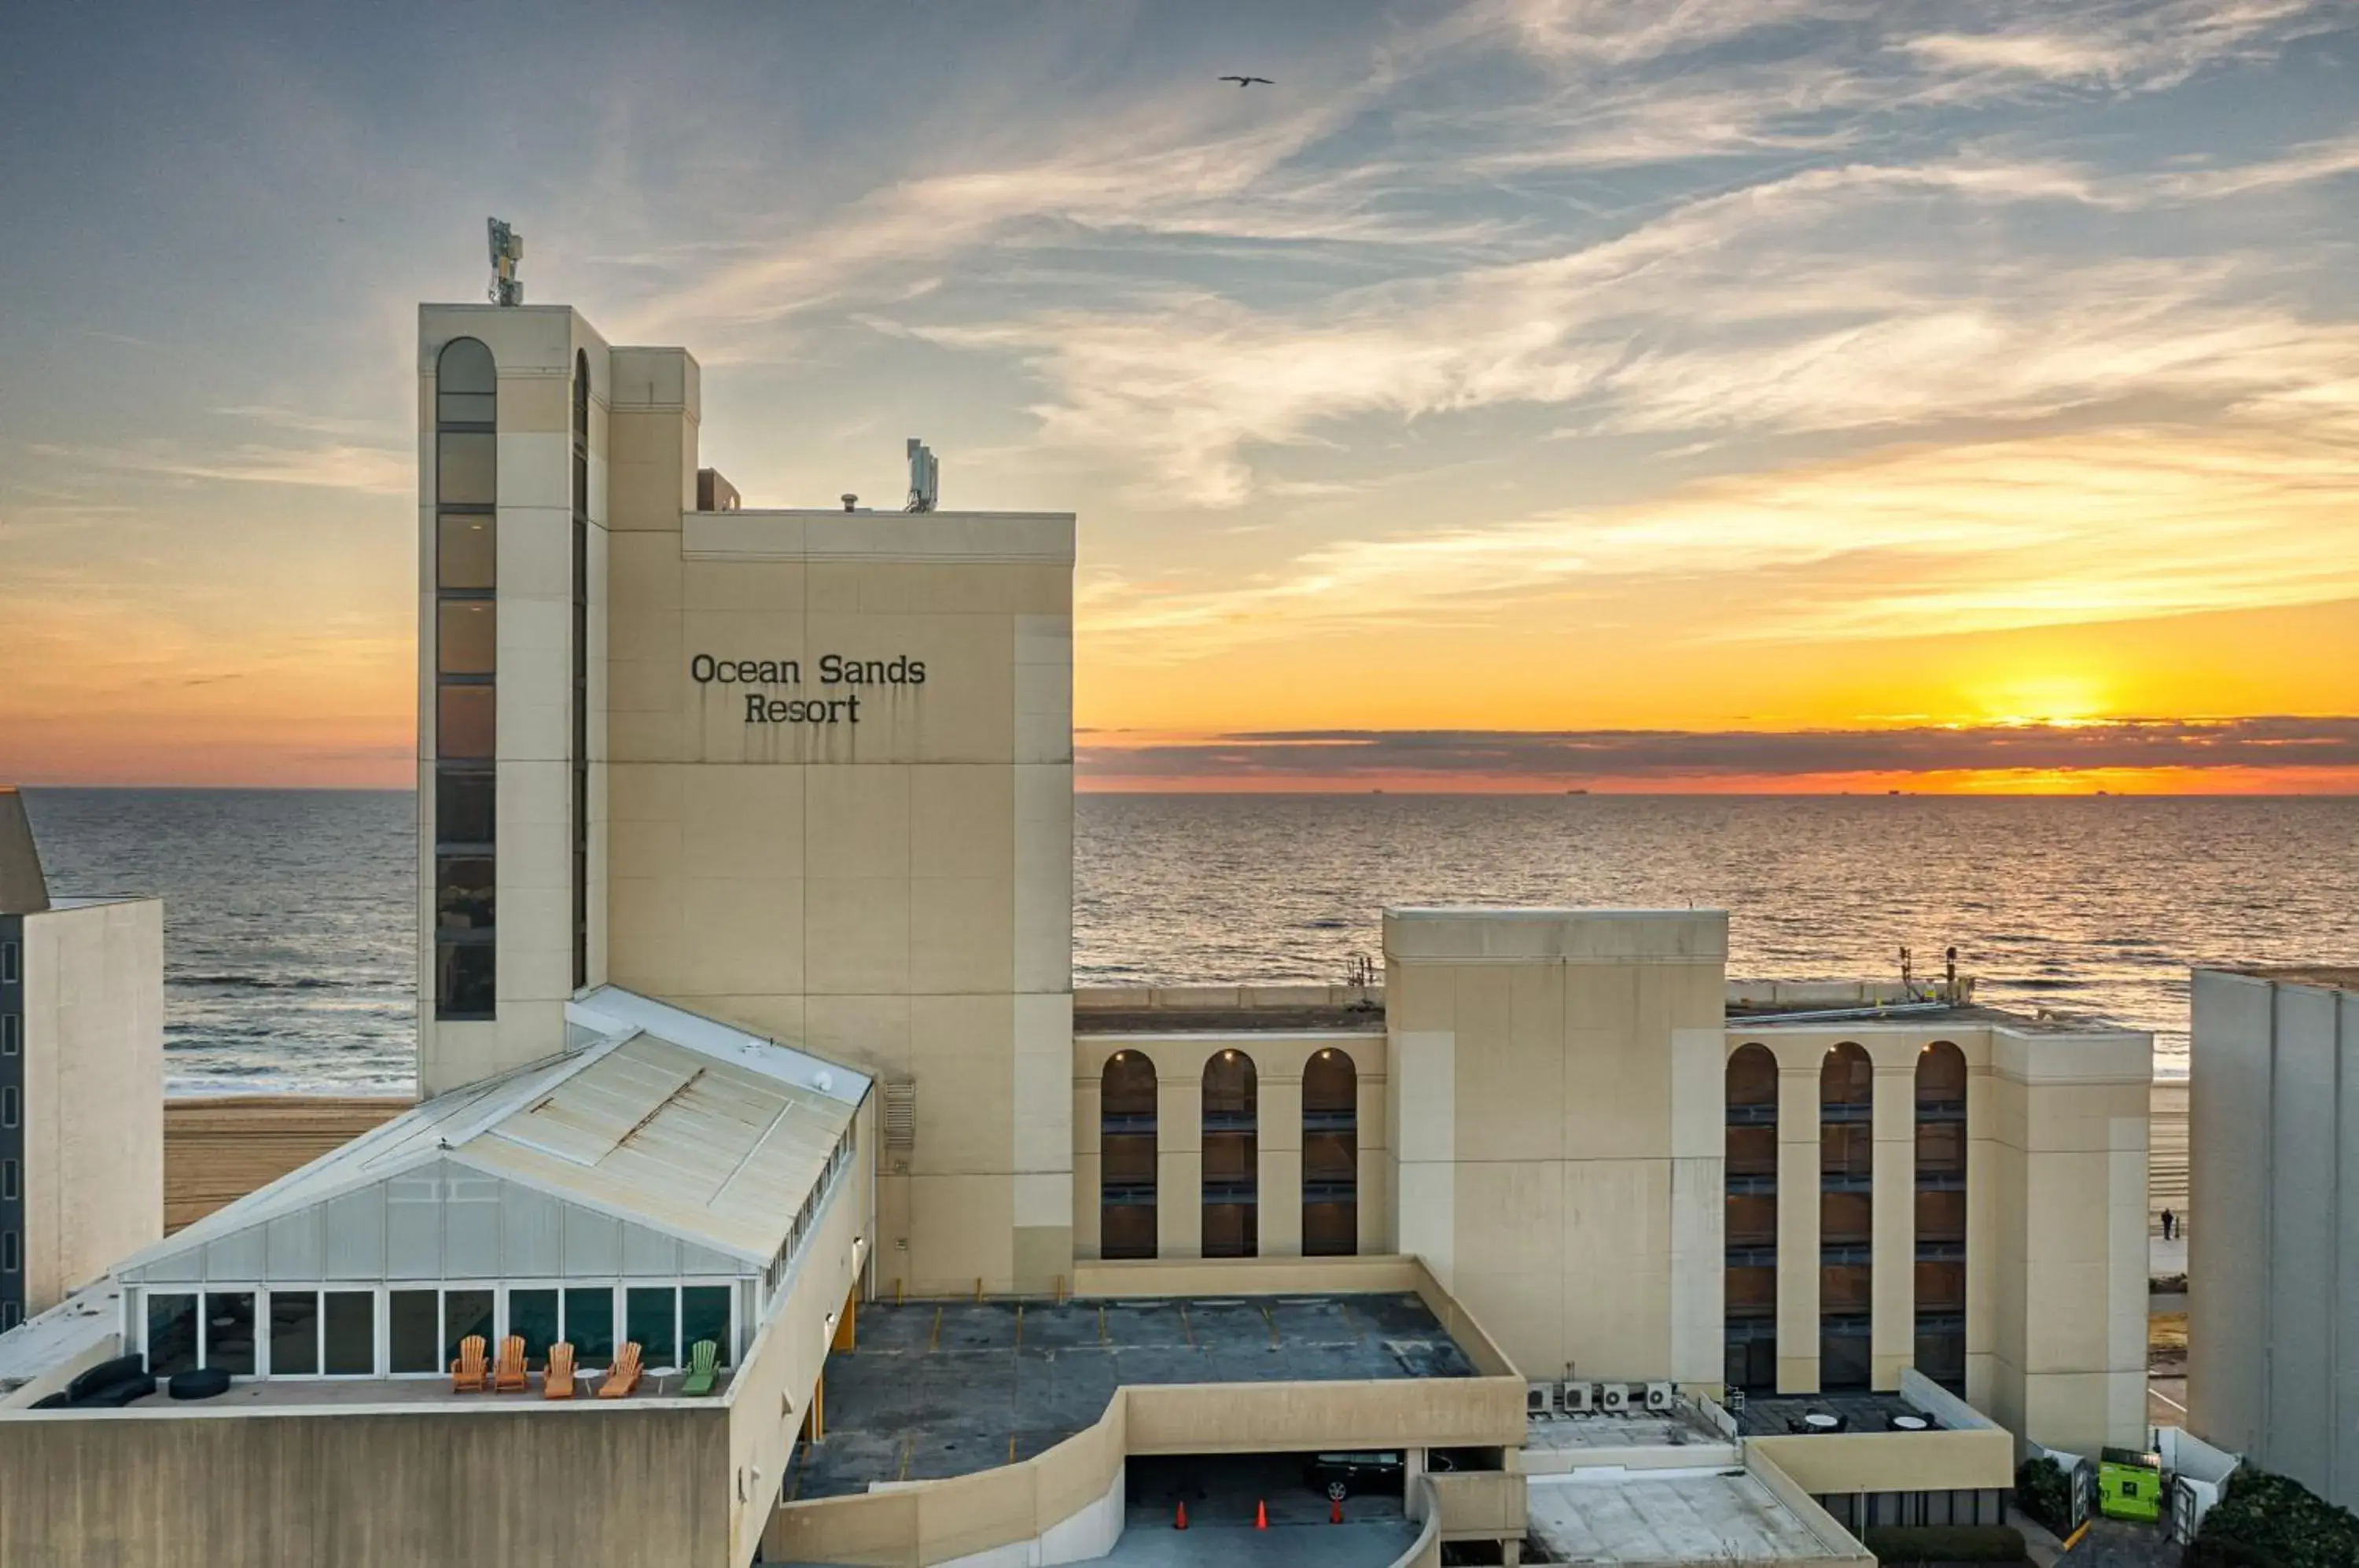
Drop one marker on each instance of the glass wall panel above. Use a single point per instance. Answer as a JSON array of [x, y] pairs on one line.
[[1846, 1220], [464, 892], [704, 1314], [463, 979], [465, 720], [1753, 1219], [1843, 1360], [590, 1324], [533, 1314], [1941, 1155], [171, 1335], [466, 468], [463, 806], [466, 1313], [1941, 1216], [229, 1332], [467, 551], [467, 635], [649, 1316], [1753, 1151], [1844, 1289], [413, 1331], [351, 1333], [464, 366], [1940, 1288], [465, 407], [294, 1332]]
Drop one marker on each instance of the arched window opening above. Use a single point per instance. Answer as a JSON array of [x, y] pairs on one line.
[[1941, 1204], [1846, 1217], [466, 641], [1126, 1154], [1331, 1155], [1751, 1290], [1232, 1148], [578, 807]]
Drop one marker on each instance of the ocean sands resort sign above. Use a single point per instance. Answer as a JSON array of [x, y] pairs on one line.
[[841, 683]]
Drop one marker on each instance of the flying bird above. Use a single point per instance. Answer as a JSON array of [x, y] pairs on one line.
[[1245, 82]]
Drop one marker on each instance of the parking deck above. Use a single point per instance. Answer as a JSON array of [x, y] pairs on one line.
[[934, 1389]]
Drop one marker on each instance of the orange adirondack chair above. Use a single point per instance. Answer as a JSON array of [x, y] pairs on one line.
[[508, 1375], [624, 1376], [558, 1382], [468, 1374]]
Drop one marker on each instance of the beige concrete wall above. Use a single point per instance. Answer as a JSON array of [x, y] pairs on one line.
[[493, 1486], [1891, 1461], [2068, 1153], [770, 1397], [1487, 1505], [896, 893], [1279, 1058], [94, 1076], [1842, 1549], [1555, 1100]]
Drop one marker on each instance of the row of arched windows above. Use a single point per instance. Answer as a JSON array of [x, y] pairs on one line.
[[1230, 1139], [1846, 1198]]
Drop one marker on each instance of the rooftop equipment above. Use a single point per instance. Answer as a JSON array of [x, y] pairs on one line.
[[508, 249], [925, 478]]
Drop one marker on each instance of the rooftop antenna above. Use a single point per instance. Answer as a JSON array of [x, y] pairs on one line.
[[508, 249], [925, 478]]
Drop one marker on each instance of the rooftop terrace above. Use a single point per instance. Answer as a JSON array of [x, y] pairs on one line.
[[939, 1390], [1686, 1517]]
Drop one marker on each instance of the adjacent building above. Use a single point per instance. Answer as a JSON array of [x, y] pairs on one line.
[[82, 1078], [2273, 1256]]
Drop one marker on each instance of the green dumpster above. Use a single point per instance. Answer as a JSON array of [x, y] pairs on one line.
[[2129, 1483]]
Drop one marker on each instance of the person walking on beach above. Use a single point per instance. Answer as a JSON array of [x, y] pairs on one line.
[[2170, 1224]]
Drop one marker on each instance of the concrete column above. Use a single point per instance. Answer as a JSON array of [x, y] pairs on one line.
[[1893, 1327], [1797, 1219], [1179, 1169], [1278, 1146]]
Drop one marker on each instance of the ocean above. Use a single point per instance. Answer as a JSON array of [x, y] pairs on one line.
[[289, 965]]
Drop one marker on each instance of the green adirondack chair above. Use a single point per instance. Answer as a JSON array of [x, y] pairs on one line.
[[703, 1367]]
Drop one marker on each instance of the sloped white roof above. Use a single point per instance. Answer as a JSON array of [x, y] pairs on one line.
[[664, 1119]]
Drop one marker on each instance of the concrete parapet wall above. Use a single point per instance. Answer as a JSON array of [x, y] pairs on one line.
[[1480, 1505], [1279, 1417], [1221, 998], [588, 1486], [1892, 1462]]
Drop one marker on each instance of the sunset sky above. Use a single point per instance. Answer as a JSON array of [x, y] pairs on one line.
[[1528, 394]]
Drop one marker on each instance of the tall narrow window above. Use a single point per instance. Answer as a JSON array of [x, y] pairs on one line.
[[1331, 1155], [579, 808], [1231, 1145], [1941, 1213], [1127, 1156], [466, 665], [1846, 1209], [1750, 1331]]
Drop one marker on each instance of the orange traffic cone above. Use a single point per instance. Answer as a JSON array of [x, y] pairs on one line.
[[1261, 1513], [1334, 1511], [1180, 1520]]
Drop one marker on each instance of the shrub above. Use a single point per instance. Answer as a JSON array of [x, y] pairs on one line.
[[1946, 1543], [2044, 1490], [2268, 1521]]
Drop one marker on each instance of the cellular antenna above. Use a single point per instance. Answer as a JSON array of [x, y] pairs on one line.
[[925, 478], [508, 249]]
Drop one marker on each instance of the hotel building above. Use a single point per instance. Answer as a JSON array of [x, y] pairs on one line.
[[746, 1015], [82, 1078]]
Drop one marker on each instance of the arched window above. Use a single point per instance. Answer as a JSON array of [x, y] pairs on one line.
[[466, 641], [1331, 1155], [1941, 1213], [1126, 1154], [1846, 1217], [579, 807], [1231, 1145], [1751, 1293]]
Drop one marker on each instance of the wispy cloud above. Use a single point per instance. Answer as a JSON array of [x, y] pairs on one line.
[[334, 465]]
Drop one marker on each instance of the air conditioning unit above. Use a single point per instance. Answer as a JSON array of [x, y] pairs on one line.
[[1577, 1399], [1539, 1401], [1659, 1397], [1614, 1398]]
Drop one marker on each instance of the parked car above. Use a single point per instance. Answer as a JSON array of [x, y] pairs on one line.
[[1340, 1475]]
